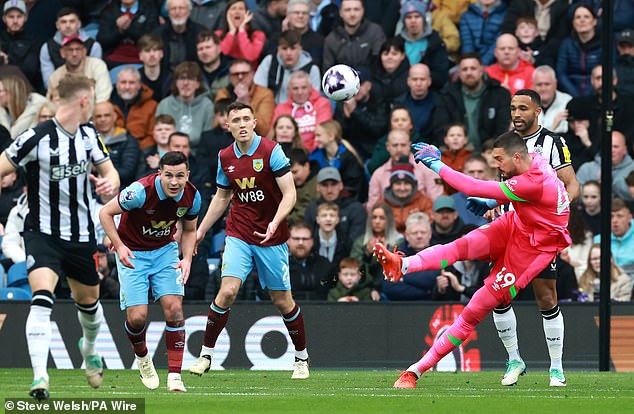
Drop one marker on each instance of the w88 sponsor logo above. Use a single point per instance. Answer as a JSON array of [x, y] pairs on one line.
[[251, 196]]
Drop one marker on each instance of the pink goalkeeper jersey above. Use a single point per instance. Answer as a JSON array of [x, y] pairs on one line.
[[539, 199]]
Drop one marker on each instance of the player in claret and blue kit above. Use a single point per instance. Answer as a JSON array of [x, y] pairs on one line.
[[254, 175], [148, 256]]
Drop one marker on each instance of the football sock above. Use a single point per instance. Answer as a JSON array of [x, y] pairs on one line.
[[137, 339], [294, 321], [175, 342], [207, 351], [473, 245], [90, 317], [478, 307], [38, 331], [216, 321], [506, 325], [554, 331]]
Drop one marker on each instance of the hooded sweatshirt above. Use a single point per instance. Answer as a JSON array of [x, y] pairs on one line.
[[191, 118], [283, 74]]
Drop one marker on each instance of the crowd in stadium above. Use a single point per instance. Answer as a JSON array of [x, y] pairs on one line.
[[435, 71]]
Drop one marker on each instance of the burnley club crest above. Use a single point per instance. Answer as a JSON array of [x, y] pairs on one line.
[[258, 164]]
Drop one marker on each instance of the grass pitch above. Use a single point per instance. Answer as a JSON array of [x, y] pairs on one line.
[[347, 392]]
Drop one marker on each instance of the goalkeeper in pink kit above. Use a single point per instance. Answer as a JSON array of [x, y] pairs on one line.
[[520, 243]]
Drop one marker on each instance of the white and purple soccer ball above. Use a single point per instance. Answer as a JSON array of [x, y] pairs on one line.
[[340, 82]]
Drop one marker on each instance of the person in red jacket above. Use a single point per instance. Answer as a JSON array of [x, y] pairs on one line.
[[511, 71]]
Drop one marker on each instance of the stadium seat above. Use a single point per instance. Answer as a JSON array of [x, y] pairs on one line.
[[17, 275], [14, 293], [115, 71]]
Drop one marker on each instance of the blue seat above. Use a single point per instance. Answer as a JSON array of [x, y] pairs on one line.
[[14, 293], [17, 275], [115, 71]]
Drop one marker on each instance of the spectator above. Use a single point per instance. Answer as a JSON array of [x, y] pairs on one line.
[[590, 281], [179, 33], [297, 18], [421, 101], [400, 118], [306, 106], [622, 236], [215, 65], [18, 104], [554, 114], [330, 242], [390, 72], [134, 106], [530, 43], [123, 23], [11, 188], [334, 151], [385, 13], [456, 150], [243, 89], [351, 212], [474, 166], [40, 24], [164, 126], [153, 74], [108, 274], [379, 227], [17, 45], [423, 44], [47, 111], [275, 70], [577, 254], [625, 62], [188, 103], [402, 196], [480, 26], [286, 133], [122, 147], [12, 241], [237, 38], [305, 184], [68, 24], [510, 70], [579, 53], [208, 13], [268, 18], [349, 287], [398, 146], [356, 42], [476, 101], [77, 63], [454, 9], [416, 285], [214, 140], [622, 165], [591, 200], [580, 143], [446, 226], [552, 25], [324, 16], [311, 274]]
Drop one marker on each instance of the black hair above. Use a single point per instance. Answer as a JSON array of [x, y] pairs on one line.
[[511, 142], [299, 156], [537, 100], [173, 158], [396, 43]]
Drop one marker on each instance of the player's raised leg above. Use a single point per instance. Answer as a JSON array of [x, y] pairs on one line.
[[216, 321], [174, 340], [553, 323]]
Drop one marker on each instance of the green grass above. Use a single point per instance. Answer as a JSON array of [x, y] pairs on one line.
[[347, 392]]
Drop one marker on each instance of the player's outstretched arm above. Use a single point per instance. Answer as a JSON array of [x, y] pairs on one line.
[[289, 196], [217, 207], [106, 216], [108, 181], [188, 244]]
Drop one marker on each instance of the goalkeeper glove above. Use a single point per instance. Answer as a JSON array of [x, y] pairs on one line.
[[428, 155], [479, 206]]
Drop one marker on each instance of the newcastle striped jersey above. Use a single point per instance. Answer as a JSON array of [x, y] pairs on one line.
[[550, 146], [57, 165]]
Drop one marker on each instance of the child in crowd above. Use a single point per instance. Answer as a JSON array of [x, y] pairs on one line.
[[349, 288], [164, 126], [334, 151], [456, 150], [330, 243], [528, 38]]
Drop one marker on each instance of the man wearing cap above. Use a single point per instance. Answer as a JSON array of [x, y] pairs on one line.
[[17, 46], [68, 24], [352, 215], [76, 63], [625, 62], [402, 195], [422, 43], [446, 226]]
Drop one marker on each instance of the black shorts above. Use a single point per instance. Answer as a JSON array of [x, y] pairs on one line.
[[550, 272], [67, 259]]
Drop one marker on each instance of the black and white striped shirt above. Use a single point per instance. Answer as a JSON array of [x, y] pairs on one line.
[[550, 146], [57, 166]]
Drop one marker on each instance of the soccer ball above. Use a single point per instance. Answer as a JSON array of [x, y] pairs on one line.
[[340, 82]]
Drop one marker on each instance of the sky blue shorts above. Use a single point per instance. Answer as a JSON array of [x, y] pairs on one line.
[[271, 263], [151, 268]]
